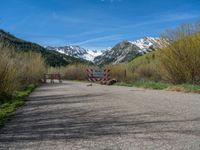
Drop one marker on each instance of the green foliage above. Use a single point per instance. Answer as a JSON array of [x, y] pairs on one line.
[[180, 61], [176, 63], [151, 85], [52, 58], [147, 84], [10, 104], [162, 86], [191, 87], [142, 60], [145, 67]]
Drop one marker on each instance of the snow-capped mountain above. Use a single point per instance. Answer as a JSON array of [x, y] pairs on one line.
[[128, 50], [121, 53], [77, 51], [147, 44]]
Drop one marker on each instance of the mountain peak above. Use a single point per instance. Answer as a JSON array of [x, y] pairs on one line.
[[77, 51], [122, 52], [126, 50]]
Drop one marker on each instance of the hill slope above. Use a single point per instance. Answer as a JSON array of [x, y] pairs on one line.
[[52, 58]]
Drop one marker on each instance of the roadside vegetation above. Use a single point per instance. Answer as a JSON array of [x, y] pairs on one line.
[[19, 74], [9, 103], [162, 86], [71, 72], [174, 67]]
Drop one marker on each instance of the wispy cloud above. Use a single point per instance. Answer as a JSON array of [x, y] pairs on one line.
[[159, 19], [86, 33], [163, 18], [65, 18], [175, 17], [98, 39]]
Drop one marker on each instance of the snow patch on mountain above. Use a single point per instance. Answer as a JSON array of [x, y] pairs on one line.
[[77, 51], [126, 51], [91, 54]]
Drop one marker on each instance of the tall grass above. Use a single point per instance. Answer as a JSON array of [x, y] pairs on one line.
[[120, 72], [17, 70], [31, 68], [145, 67], [71, 72], [8, 72]]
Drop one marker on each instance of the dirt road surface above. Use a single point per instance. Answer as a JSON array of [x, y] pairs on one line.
[[74, 116]]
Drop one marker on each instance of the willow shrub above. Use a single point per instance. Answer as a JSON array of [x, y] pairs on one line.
[[8, 72], [145, 67], [31, 68], [18, 70], [180, 61], [120, 72], [71, 72]]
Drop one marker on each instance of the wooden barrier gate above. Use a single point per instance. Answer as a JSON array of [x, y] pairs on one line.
[[98, 75], [52, 77]]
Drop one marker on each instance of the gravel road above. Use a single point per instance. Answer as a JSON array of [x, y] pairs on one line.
[[74, 116]]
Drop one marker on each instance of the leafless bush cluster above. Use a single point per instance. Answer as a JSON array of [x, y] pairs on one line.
[[19, 69], [71, 72]]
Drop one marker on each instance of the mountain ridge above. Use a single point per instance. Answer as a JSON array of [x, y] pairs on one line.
[[126, 51], [52, 58], [76, 51], [122, 52]]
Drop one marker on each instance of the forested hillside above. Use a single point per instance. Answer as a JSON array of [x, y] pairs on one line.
[[52, 58]]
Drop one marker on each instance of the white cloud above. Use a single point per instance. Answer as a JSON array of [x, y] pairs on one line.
[[102, 38], [162, 18], [66, 19]]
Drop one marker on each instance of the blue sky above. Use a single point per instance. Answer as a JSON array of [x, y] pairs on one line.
[[93, 23]]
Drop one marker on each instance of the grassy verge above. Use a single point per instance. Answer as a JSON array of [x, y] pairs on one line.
[[9, 104], [162, 86]]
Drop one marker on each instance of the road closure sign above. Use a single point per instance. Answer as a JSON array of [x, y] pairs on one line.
[[98, 73]]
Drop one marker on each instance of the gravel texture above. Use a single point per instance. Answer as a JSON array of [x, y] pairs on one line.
[[74, 116]]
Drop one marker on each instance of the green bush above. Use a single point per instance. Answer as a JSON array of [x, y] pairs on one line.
[[145, 67], [11, 103], [180, 61]]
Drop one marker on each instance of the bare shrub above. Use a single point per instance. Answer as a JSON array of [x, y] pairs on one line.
[[19, 69], [31, 67], [120, 72], [147, 72], [8, 71], [71, 72], [182, 31]]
